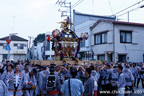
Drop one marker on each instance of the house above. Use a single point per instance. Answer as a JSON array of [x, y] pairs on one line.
[[118, 41], [18, 45], [81, 24]]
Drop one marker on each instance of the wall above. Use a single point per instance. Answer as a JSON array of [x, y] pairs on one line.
[[14, 49], [82, 28], [103, 48], [134, 50]]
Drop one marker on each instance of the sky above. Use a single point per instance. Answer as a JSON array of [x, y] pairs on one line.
[[33, 17]]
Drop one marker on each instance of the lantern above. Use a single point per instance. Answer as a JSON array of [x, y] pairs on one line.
[[48, 38], [55, 32], [86, 36]]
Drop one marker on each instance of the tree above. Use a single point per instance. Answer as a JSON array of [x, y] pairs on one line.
[[39, 38]]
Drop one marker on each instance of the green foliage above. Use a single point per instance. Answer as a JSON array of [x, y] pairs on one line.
[[39, 38]]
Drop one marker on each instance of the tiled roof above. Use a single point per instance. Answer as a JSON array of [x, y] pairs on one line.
[[14, 38], [118, 22]]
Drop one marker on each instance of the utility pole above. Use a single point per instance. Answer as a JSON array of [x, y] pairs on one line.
[[9, 50], [128, 16], [65, 5], [8, 57], [45, 45], [30, 37]]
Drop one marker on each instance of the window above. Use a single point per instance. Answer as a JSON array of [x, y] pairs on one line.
[[82, 44], [20, 46], [125, 37], [122, 58], [101, 38], [15, 44], [100, 57], [4, 45], [1, 44], [4, 56]]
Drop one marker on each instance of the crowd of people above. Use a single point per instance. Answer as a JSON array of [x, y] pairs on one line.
[[22, 78]]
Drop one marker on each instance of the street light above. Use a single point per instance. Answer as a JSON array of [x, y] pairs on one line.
[[9, 44]]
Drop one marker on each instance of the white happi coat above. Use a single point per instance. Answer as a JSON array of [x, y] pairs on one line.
[[128, 76], [3, 89], [42, 77], [21, 81], [34, 82]]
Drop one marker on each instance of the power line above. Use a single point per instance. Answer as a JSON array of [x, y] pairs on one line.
[[131, 10], [110, 6], [129, 7], [77, 3]]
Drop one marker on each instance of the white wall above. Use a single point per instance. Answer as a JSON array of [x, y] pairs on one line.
[[103, 48], [134, 50], [14, 49], [82, 28], [39, 52]]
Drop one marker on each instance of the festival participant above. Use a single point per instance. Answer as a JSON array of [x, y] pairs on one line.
[[98, 81], [108, 79], [3, 89], [95, 76], [9, 73], [135, 73], [60, 74], [103, 78], [72, 86], [31, 83], [21, 66], [129, 79], [81, 73], [7, 64], [52, 83], [16, 83], [65, 71], [89, 83], [38, 68], [42, 76], [121, 81], [26, 69], [140, 75], [114, 75]]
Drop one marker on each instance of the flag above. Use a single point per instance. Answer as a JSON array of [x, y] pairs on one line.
[[8, 47]]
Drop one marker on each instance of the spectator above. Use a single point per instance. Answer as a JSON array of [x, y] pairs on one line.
[[73, 86]]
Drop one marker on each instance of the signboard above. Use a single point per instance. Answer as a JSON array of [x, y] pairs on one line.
[[8, 47], [8, 41]]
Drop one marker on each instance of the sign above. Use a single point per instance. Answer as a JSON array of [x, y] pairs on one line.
[[8, 47], [8, 41]]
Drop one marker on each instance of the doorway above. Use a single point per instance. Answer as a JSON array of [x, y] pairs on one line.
[[109, 57]]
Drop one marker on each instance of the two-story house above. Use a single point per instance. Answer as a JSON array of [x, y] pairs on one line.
[[18, 45], [81, 24], [118, 41]]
